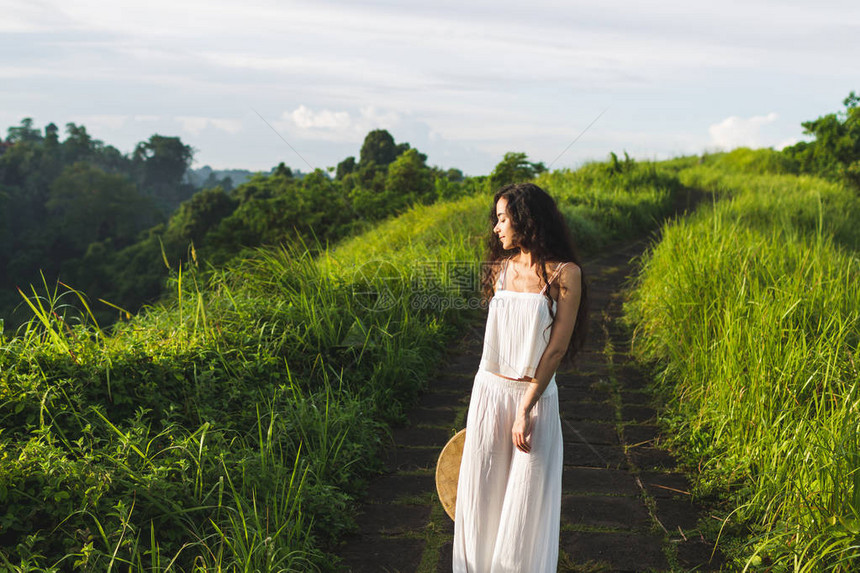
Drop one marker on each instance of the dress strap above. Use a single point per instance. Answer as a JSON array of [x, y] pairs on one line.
[[500, 278], [505, 273], [552, 278]]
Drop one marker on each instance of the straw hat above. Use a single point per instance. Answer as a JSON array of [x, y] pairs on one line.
[[448, 472]]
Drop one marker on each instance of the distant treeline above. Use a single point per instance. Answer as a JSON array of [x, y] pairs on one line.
[[112, 225], [65, 201]]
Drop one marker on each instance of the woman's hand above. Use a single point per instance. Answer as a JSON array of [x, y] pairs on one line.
[[522, 433]]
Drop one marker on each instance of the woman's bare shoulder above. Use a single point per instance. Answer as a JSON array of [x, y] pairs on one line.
[[570, 275], [563, 272], [553, 266]]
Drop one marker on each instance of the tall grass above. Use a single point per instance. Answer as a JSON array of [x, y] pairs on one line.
[[752, 311], [232, 425], [229, 425], [605, 202]]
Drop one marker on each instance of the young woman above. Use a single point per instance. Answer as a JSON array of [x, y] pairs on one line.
[[509, 490]]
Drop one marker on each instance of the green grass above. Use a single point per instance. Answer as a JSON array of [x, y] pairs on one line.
[[751, 310], [605, 202], [233, 425]]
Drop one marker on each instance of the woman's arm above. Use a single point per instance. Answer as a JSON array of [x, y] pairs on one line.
[[570, 291]]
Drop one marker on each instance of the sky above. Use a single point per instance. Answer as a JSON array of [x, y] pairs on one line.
[[250, 84]]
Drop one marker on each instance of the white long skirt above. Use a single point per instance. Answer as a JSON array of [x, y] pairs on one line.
[[508, 502]]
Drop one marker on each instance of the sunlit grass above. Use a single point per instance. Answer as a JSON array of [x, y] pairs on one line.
[[752, 311]]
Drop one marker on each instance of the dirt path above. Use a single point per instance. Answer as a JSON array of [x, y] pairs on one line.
[[624, 503]]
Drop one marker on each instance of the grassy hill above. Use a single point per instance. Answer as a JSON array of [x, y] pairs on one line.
[[232, 424]]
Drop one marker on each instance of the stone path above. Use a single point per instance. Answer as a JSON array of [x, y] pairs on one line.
[[625, 506]]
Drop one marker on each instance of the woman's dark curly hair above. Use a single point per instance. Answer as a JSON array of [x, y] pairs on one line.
[[541, 229]]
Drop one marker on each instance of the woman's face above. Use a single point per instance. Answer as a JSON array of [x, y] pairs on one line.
[[504, 228]]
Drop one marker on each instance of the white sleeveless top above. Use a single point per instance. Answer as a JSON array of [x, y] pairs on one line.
[[517, 330]]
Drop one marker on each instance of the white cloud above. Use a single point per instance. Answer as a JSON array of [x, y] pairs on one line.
[[741, 132], [195, 125], [146, 118], [339, 126], [308, 119]]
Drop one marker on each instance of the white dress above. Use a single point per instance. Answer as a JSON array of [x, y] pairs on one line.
[[509, 502]]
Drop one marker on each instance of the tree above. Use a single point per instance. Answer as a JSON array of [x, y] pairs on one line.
[[380, 193], [379, 149], [256, 188], [344, 168], [23, 133], [52, 160], [514, 168], [78, 145], [328, 211], [835, 153], [198, 215], [164, 160], [409, 179], [86, 205], [18, 164], [52, 138], [454, 175], [160, 164], [113, 160], [283, 171]]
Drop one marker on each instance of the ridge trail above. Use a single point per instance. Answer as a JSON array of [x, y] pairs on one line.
[[625, 504]]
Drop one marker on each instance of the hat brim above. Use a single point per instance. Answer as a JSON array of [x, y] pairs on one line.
[[448, 472]]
